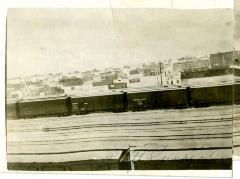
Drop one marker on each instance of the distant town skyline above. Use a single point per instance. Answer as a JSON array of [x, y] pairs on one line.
[[42, 41]]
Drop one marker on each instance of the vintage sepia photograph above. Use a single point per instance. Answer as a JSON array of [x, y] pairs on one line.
[[236, 113], [106, 89]]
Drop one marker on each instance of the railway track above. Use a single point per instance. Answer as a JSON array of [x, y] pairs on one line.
[[157, 135]]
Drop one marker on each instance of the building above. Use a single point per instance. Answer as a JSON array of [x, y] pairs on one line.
[[47, 91], [71, 81], [118, 84], [102, 83], [135, 75], [170, 77], [87, 75], [191, 64], [135, 71], [152, 69], [224, 59], [11, 94]]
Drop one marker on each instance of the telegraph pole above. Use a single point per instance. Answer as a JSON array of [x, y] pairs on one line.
[[160, 70], [60, 83], [157, 80], [25, 88]]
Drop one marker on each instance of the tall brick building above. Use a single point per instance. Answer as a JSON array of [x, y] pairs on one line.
[[191, 64], [224, 59]]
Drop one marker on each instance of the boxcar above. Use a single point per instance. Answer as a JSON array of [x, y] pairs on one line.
[[52, 106], [171, 98], [12, 109], [110, 103], [139, 104], [237, 93], [213, 95]]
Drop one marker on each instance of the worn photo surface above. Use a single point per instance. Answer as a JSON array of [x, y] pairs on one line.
[[236, 108], [97, 89]]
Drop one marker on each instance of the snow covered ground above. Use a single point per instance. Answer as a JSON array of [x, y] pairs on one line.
[[191, 133]]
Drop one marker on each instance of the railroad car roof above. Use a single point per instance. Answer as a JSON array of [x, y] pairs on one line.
[[153, 89], [10, 101], [210, 85], [90, 94], [129, 90], [44, 98]]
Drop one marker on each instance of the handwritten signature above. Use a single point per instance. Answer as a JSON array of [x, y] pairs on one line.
[[153, 150]]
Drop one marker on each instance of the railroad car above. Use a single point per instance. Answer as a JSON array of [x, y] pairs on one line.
[[110, 103], [12, 109], [237, 93], [212, 95], [139, 105], [121, 102], [176, 98], [51, 106]]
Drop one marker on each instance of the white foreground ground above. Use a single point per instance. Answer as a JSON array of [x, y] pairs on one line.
[[194, 133]]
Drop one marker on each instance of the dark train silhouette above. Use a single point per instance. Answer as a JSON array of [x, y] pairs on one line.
[[122, 102]]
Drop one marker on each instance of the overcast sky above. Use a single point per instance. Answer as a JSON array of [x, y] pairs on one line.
[[42, 41], [237, 25]]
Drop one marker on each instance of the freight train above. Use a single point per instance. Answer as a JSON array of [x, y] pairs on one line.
[[122, 102], [31, 108]]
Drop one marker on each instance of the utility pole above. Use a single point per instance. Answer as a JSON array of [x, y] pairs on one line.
[[60, 83], [157, 80], [25, 88], [160, 70]]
